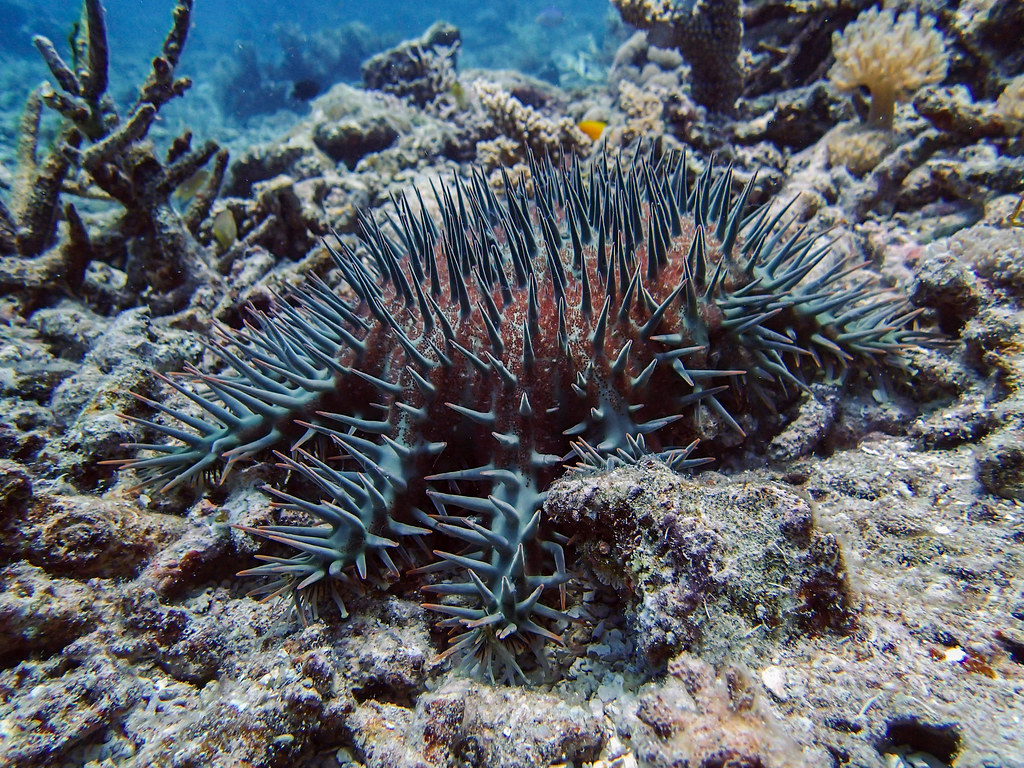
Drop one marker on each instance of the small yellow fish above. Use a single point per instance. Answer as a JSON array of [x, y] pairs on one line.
[[225, 231], [191, 186], [1016, 219], [459, 94], [593, 128]]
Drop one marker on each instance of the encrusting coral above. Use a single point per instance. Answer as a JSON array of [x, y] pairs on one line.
[[608, 310], [891, 56]]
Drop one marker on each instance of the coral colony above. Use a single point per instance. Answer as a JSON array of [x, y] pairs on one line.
[[595, 313], [891, 55]]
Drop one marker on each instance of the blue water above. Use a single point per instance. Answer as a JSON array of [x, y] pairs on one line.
[[141, 24], [536, 37]]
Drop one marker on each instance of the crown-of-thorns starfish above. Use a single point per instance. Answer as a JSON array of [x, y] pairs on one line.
[[596, 309]]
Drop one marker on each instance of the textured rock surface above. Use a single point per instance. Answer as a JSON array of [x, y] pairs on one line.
[[203, 674], [704, 564]]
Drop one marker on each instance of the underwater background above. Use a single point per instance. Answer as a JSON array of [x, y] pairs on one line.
[[311, 44], [573, 383]]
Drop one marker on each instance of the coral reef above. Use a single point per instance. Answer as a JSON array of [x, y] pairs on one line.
[[893, 56], [788, 45], [362, 682], [307, 65], [857, 147], [989, 254], [707, 716], [27, 223], [708, 563], [528, 127], [841, 588], [419, 70], [1010, 105], [115, 161]]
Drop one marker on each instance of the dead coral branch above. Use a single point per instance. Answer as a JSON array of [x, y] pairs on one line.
[[27, 222], [109, 154]]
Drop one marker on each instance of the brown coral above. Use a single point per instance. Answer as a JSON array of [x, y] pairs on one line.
[[890, 55], [707, 33]]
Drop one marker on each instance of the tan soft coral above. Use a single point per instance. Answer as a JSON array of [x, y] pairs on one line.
[[890, 55]]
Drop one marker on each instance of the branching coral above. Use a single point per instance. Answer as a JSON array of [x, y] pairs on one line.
[[643, 108], [35, 199], [891, 55], [708, 34], [621, 306], [111, 152], [534, 131], [419, 70]]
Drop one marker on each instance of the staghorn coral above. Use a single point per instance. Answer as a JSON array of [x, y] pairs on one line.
[[891, 55], [28, 223], [101, 154], [708, 34], [619, 305]]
